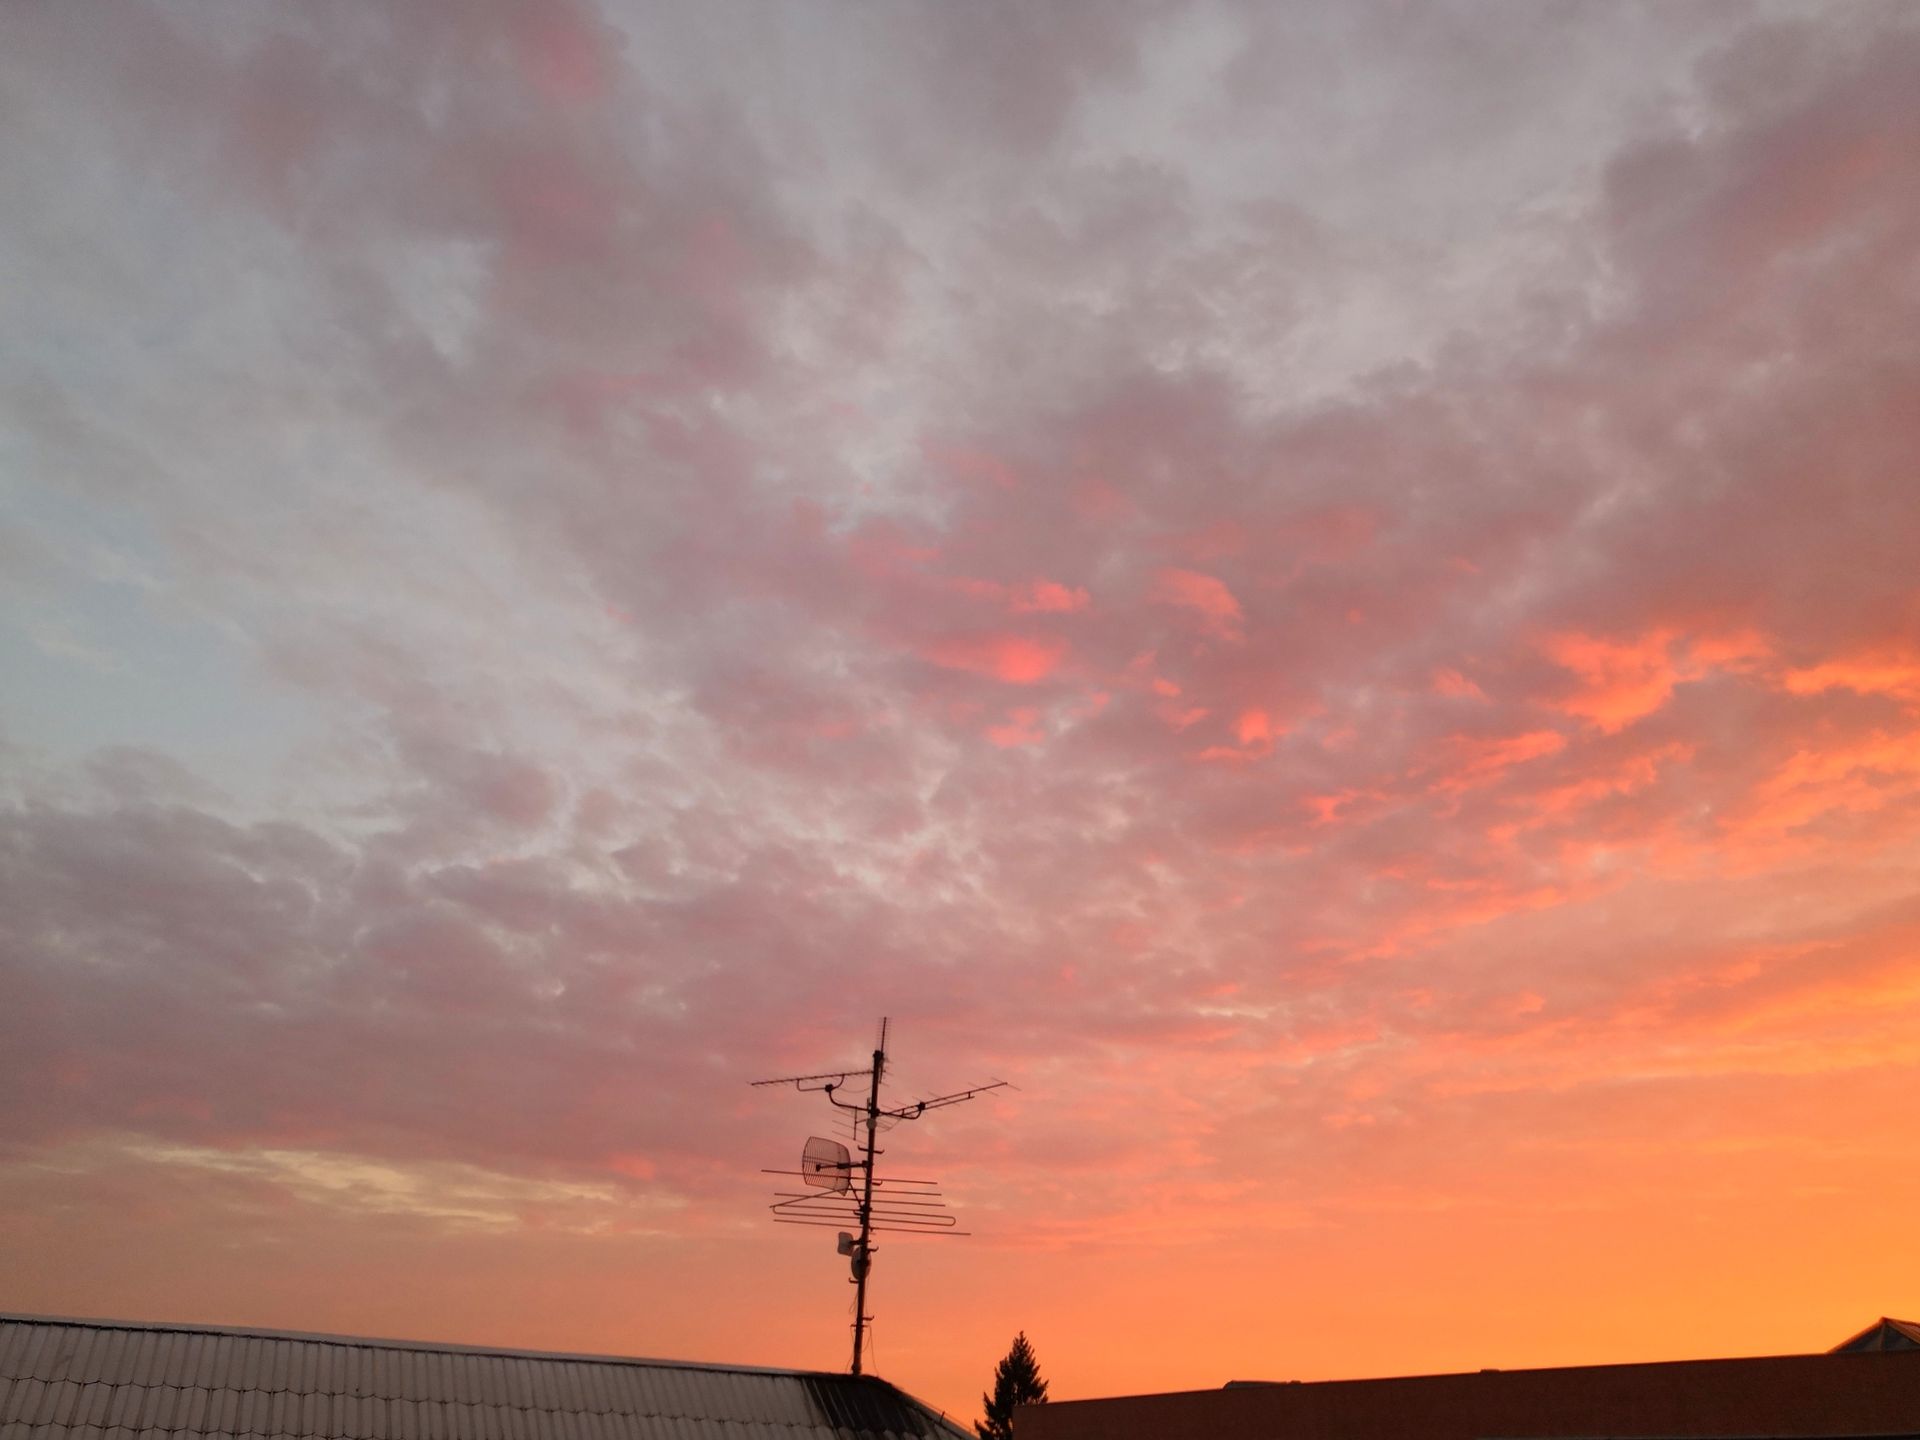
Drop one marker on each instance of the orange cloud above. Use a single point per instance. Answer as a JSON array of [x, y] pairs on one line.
[[1635, 773], [1626, 680], [1472, 760], [1873, 673], [1861, 777], [1621, 681]]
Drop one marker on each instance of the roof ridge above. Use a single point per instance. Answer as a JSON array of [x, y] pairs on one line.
[[1522, 1370], [440, 1347]]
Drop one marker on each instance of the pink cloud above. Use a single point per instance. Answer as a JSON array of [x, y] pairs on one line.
[[565, 53], [1205, 595], [1022, 727], [1254, 732], [1038, 597], [1047, 597], [1456, 686], [1011, 658], [972, 465]]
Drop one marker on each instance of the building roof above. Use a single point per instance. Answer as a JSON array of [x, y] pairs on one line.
[[1884, 1334], [1827, 1396], [120, 1380]]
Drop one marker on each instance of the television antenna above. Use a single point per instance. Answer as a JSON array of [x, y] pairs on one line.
[[842, 1188]]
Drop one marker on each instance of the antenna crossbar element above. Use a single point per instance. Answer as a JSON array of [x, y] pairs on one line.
[[829, 1080], [920, 1107], [880, 1182], [842, 1190]]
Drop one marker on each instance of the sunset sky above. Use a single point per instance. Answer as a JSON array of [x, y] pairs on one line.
[[1330, 590]]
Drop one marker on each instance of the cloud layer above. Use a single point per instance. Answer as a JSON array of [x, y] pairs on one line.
[[1335, 600]]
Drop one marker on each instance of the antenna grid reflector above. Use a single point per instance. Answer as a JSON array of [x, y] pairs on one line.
[[826, 1165]]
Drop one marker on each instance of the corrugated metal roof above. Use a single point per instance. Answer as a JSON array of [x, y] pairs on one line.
[[115, 1380]]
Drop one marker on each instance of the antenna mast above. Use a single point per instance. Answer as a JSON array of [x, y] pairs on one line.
[[903, 1206], [863, 1262]]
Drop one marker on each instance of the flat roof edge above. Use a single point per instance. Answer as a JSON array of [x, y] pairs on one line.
[[1821, 1355]]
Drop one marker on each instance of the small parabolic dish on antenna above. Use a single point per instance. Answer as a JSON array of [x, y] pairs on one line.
[[827, 1165]]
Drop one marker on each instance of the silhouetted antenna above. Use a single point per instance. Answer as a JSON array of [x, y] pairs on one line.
[[842, 1189]]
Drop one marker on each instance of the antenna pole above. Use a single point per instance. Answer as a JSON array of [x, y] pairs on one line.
[[865, 1253], [828, 1172]]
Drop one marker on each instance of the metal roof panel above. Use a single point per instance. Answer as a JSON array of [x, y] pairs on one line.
[[126, 1381], [250, 1414], [540, 1382], [135, 1364], [216, 1357], [573, 1395], [96, 1400], [310, 1368], [223, 1406], [400, 1372], [34, 1345], [75, 1357], [62, 1398], [24, 1400], [283, 1412], [171, 1356]]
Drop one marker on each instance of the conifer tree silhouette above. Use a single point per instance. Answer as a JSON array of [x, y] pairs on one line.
[[1016, 1381]]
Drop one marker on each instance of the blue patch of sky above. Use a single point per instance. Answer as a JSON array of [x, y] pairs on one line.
[[102, 653]]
